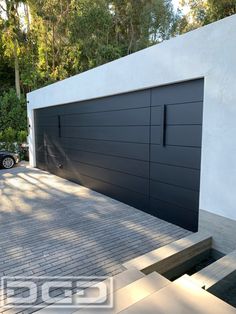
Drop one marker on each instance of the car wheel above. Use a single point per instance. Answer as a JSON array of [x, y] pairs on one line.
[[8, 162]]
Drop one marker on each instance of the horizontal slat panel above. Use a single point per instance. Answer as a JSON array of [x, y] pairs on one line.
[[39, 142], [124, 180], [53, 143], [178, 156], [183, 177], [117, 102], [181, 135], [175, 195], [135, 167], [126, 134], [156, 115], [54, 160], [55, 149], [139, 116], [40, 158], [132, 198], [190, 91], [47, 139], [186, 218], [184, 135], [49, 111], [39, 146], [50, 156], [47, 121], [47, 131], [189, 113], [156, 135], [129, 150]]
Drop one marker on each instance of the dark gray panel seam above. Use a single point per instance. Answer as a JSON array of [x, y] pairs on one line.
[[150, 141], [116, 185], [119, 171], [175, 204], [179, 103]]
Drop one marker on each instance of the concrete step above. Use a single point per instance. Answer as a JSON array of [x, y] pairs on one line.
[[182, 296], [132, 293], [168, 257], [217, 275], [119, 281]]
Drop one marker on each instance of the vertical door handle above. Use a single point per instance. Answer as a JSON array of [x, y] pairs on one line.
[[59, 125], [163, 125]]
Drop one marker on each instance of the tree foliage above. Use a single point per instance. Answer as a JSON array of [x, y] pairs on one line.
[[49, 40], [203, 12], [12, 112], [6, 70]]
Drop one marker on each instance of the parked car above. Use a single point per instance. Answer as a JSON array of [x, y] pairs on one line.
[[8, 160]]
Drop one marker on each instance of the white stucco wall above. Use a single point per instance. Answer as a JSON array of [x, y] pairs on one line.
[[208, 52]]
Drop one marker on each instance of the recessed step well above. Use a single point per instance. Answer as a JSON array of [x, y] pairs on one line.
[[219, 278], [181, 253], [211, 276]]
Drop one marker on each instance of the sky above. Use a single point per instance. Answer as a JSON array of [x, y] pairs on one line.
[[175, 3]]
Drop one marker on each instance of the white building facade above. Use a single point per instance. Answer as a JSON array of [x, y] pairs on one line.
[[208, 53]]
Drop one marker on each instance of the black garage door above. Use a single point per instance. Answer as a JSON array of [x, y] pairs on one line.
[[142, 148]]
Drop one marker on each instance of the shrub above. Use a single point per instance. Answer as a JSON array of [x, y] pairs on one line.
[[21, 137], [12, 140], [13, 123], [12, 112]]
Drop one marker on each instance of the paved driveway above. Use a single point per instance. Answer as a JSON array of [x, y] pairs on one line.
[[50, 226]]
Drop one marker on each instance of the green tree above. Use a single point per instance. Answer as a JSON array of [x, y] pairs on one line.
[[71, 36], [92, 34], [140, 23], [203, 12], [55, 54], [106, 30], [6, 70], [11, 36]]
